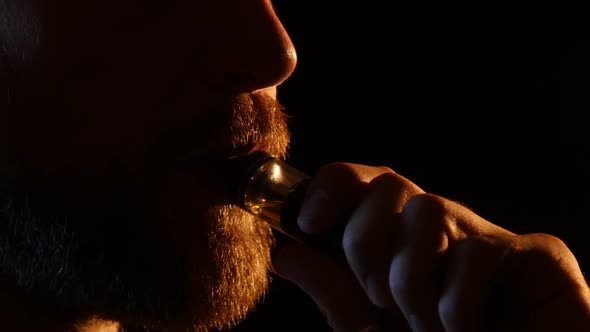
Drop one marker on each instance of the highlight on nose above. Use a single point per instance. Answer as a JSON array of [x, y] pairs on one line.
[[260, 54]]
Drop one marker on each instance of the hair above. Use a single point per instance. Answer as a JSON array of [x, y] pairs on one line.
[[82, 279]]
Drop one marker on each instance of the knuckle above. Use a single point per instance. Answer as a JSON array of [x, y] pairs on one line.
[[547, 240], [334, 167], [428, 203], [388, 169], [404, 188], [428, 211], [547, 248], [358, 172]]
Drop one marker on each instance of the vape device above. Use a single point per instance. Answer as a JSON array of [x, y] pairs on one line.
[[273, 190]]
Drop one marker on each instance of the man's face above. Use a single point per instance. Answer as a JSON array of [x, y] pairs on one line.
[[101, 102]]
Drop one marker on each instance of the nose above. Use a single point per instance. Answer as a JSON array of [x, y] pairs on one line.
[[253, 50]]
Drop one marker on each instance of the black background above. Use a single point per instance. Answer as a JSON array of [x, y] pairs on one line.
[[483, 103]]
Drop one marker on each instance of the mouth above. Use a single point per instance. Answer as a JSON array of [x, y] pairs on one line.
[[194, 158], [212, 171], [219, 151], [240, 126], [218, 167], [251, 147]]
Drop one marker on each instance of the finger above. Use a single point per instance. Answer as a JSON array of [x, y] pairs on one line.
[[540, 274], [472, 264], [372, 232], [415, 269], [431, 224], [331, 285], [333, 193]]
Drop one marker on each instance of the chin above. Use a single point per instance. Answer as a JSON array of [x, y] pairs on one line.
[[219, 276], [213, 259], [177, 264]]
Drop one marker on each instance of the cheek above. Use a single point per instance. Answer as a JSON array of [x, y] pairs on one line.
[[61, 104], [91, 81]]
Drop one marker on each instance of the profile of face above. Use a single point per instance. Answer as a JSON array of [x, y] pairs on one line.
[[115, 118]]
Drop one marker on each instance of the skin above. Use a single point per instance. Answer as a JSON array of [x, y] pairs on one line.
[[104, 101], [115, 118], [418, 262]]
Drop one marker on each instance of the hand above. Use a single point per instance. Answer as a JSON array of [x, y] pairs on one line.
[[418, 262]]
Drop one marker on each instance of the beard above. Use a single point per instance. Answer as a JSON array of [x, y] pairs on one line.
[[148, 254]]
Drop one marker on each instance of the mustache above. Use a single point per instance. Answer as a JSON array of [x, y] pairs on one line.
[[259, 118], [231, 127]]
